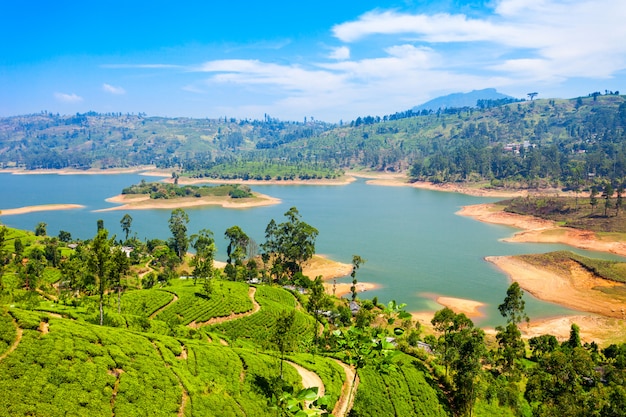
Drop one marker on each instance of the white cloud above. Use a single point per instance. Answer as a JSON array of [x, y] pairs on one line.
[[389, 61], [113, 89], [68, 98], [340, 54], [564, 38], [254, 72]]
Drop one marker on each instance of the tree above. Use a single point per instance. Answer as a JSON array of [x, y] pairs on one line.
[[40, 230], [120, 265], [52, 252], [100, 224], [65, 236], [3, 255], [18, 248], [513, 306], [443, 322], [619, 202], [289, 244], [531, 96], [467, 367], [356, 264], [574, 336], [179, 242], [283, 336], [237, 249], [593, 198], [607, 194], [126, 223], [202, 262], [317, 302], [511, 347], [362, 347], [99, 263]]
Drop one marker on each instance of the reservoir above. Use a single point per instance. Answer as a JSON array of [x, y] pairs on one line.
[[415, 246]]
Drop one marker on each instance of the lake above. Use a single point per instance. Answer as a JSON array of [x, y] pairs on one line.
[[414, 243]]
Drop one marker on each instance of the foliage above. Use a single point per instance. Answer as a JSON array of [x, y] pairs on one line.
[[408, 392], [329, 371], [289, 244], [8, 332], [192, 306], [161, 190], [145, 302], [179, 242], [606, 269], [257, 327]]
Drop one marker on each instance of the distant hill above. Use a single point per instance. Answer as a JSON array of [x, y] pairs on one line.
[[457, 100]]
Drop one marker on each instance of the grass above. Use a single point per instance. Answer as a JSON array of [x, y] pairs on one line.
[[259, 326], [405, 393], [609, 270], [227, 297], [566, 212]]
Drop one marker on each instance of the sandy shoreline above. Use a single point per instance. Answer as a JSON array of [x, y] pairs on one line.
[[143, 202], [575, 287], [69, 171], [42, 207], [603, 316], [542, 231], [471, 308]]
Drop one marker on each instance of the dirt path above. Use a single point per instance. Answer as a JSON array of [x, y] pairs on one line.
[[16, 342], [344, 406], [216, 320], [309, 379], [153, 315]]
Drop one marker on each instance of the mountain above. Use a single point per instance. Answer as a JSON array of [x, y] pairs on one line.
[[462, 100]]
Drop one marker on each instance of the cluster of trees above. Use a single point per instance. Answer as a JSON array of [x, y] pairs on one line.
[[554, 378], [531, 143], [160, 190], [539, 377], [91, 139]]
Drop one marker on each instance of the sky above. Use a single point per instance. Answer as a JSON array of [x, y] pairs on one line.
[[327, 60]]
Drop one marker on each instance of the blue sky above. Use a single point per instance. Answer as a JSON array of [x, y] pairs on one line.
[[328, 60]]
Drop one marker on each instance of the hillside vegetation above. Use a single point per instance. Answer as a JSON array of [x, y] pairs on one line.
[[531, 144], [86, 329]]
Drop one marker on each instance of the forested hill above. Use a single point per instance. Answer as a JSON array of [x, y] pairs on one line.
[[53, 141], [564, 141]]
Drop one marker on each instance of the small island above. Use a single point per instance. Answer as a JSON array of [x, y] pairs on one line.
[[158, 195]]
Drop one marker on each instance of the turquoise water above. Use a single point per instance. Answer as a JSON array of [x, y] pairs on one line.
[[414, 243]]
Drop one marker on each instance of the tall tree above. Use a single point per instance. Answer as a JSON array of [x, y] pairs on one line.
[[513, 307], [202, 262], [237, 244], [99, 263], [283, 336], [619, 202], [40, 230], [357, 261], [120, 265], [289, 244], [511, 347], [126, 224], [318, 301], [607, 194], [443, 322], [593, 198], [3, 254], [179, 242]]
